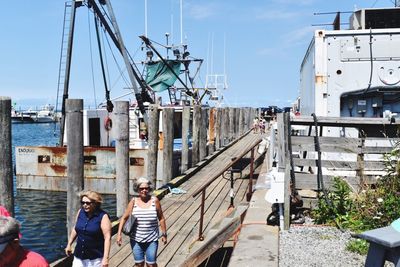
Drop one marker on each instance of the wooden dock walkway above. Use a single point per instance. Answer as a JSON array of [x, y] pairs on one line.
[[182, 211]]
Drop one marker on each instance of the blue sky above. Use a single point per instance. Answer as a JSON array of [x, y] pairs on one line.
[[265, 44]]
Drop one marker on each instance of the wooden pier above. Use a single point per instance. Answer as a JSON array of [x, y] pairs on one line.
[[182, 211]]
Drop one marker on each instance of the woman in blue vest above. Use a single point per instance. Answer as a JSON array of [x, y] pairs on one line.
[[92, 231]]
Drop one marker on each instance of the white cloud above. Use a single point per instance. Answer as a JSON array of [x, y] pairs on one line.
[[302, 35], [275, 14], [202, 11]]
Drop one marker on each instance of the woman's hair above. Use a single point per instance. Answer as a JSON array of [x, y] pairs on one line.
[[9, 229], [142, 180], [93, 196]]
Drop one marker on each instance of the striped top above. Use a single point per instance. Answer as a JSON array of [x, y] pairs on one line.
[[146, 225]]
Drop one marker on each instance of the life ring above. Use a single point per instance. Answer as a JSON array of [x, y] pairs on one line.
[[107, 123]]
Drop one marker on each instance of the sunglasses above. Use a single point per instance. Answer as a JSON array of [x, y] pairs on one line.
[[143, 188], [86, 203]]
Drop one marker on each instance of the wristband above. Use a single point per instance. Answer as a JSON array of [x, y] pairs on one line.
[[164, 234]]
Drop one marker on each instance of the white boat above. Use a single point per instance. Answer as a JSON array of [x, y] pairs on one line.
[[45, 115]]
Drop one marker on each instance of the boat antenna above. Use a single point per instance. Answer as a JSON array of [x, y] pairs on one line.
[[145, 18], [181, 18]]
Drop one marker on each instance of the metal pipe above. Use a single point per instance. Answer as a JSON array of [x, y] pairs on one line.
[[251, 175], [203, 198]]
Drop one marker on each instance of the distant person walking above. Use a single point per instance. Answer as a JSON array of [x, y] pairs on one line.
[[12, 254], [256, 125], [93, 233], [148, 213]]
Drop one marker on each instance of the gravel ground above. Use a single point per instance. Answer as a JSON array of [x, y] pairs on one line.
[[316, 246]]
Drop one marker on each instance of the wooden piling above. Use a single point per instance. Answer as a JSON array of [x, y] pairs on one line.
[[203, 134], [241, 122], [152, 140], [237, 117], [168, 133], [218, 124], [231, 124], [121, 114], [196, 134], [74, 124], [6, 175], [211, 131], [284, 163], [185, 139]]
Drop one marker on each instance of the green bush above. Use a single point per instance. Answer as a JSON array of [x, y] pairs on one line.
[[373, 207], [358, 246]]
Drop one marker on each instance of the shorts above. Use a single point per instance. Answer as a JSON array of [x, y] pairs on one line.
[[148, 249], [86, 263]]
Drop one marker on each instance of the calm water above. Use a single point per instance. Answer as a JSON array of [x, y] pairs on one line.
[[42, 213]]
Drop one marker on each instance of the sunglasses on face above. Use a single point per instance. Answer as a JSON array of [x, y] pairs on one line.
[[86, 203], [143, 188]]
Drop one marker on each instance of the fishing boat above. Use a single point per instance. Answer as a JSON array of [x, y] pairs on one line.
[[44, 168]]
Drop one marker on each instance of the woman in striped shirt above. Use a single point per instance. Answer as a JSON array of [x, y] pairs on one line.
[[148, 213]]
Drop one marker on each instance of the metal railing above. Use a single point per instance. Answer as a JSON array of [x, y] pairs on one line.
[[213, 178]]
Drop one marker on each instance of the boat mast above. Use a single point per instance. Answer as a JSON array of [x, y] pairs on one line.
[[74, 5], [115, 35]]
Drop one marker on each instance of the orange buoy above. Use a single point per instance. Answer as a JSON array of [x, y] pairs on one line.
[[107, 123]]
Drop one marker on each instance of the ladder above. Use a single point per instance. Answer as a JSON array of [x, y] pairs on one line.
[[63, 54]]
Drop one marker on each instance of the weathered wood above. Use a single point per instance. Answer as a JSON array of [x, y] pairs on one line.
[[354, 122], [241, 122], [182, 211], [203, 134], [231, 123], [218, 123], [216, 238], [121, 113], [226, 134], [196, 134], [152, 140], [74, 125], [168, 132], [185, 139], [309, 181], [6, 175], [211, 130], [340, 165], [327, 144]]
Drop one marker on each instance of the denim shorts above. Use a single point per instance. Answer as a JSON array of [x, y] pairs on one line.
[[141, 249]]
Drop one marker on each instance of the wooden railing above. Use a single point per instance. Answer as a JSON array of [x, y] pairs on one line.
[[312, 152]]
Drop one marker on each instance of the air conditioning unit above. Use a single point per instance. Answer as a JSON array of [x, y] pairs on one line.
[[376, 18]]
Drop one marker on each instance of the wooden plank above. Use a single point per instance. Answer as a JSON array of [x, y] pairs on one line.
[[327, 144], [189, 226], [212, 207], [309, 181], [217, 236], [340, 164], [353, 122]]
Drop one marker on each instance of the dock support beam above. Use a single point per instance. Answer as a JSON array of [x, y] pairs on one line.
[[203, 135], [185, 139], [196, 134], [168, 132], [152, 154], [121, 113], [6, 175], [74, 123]]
